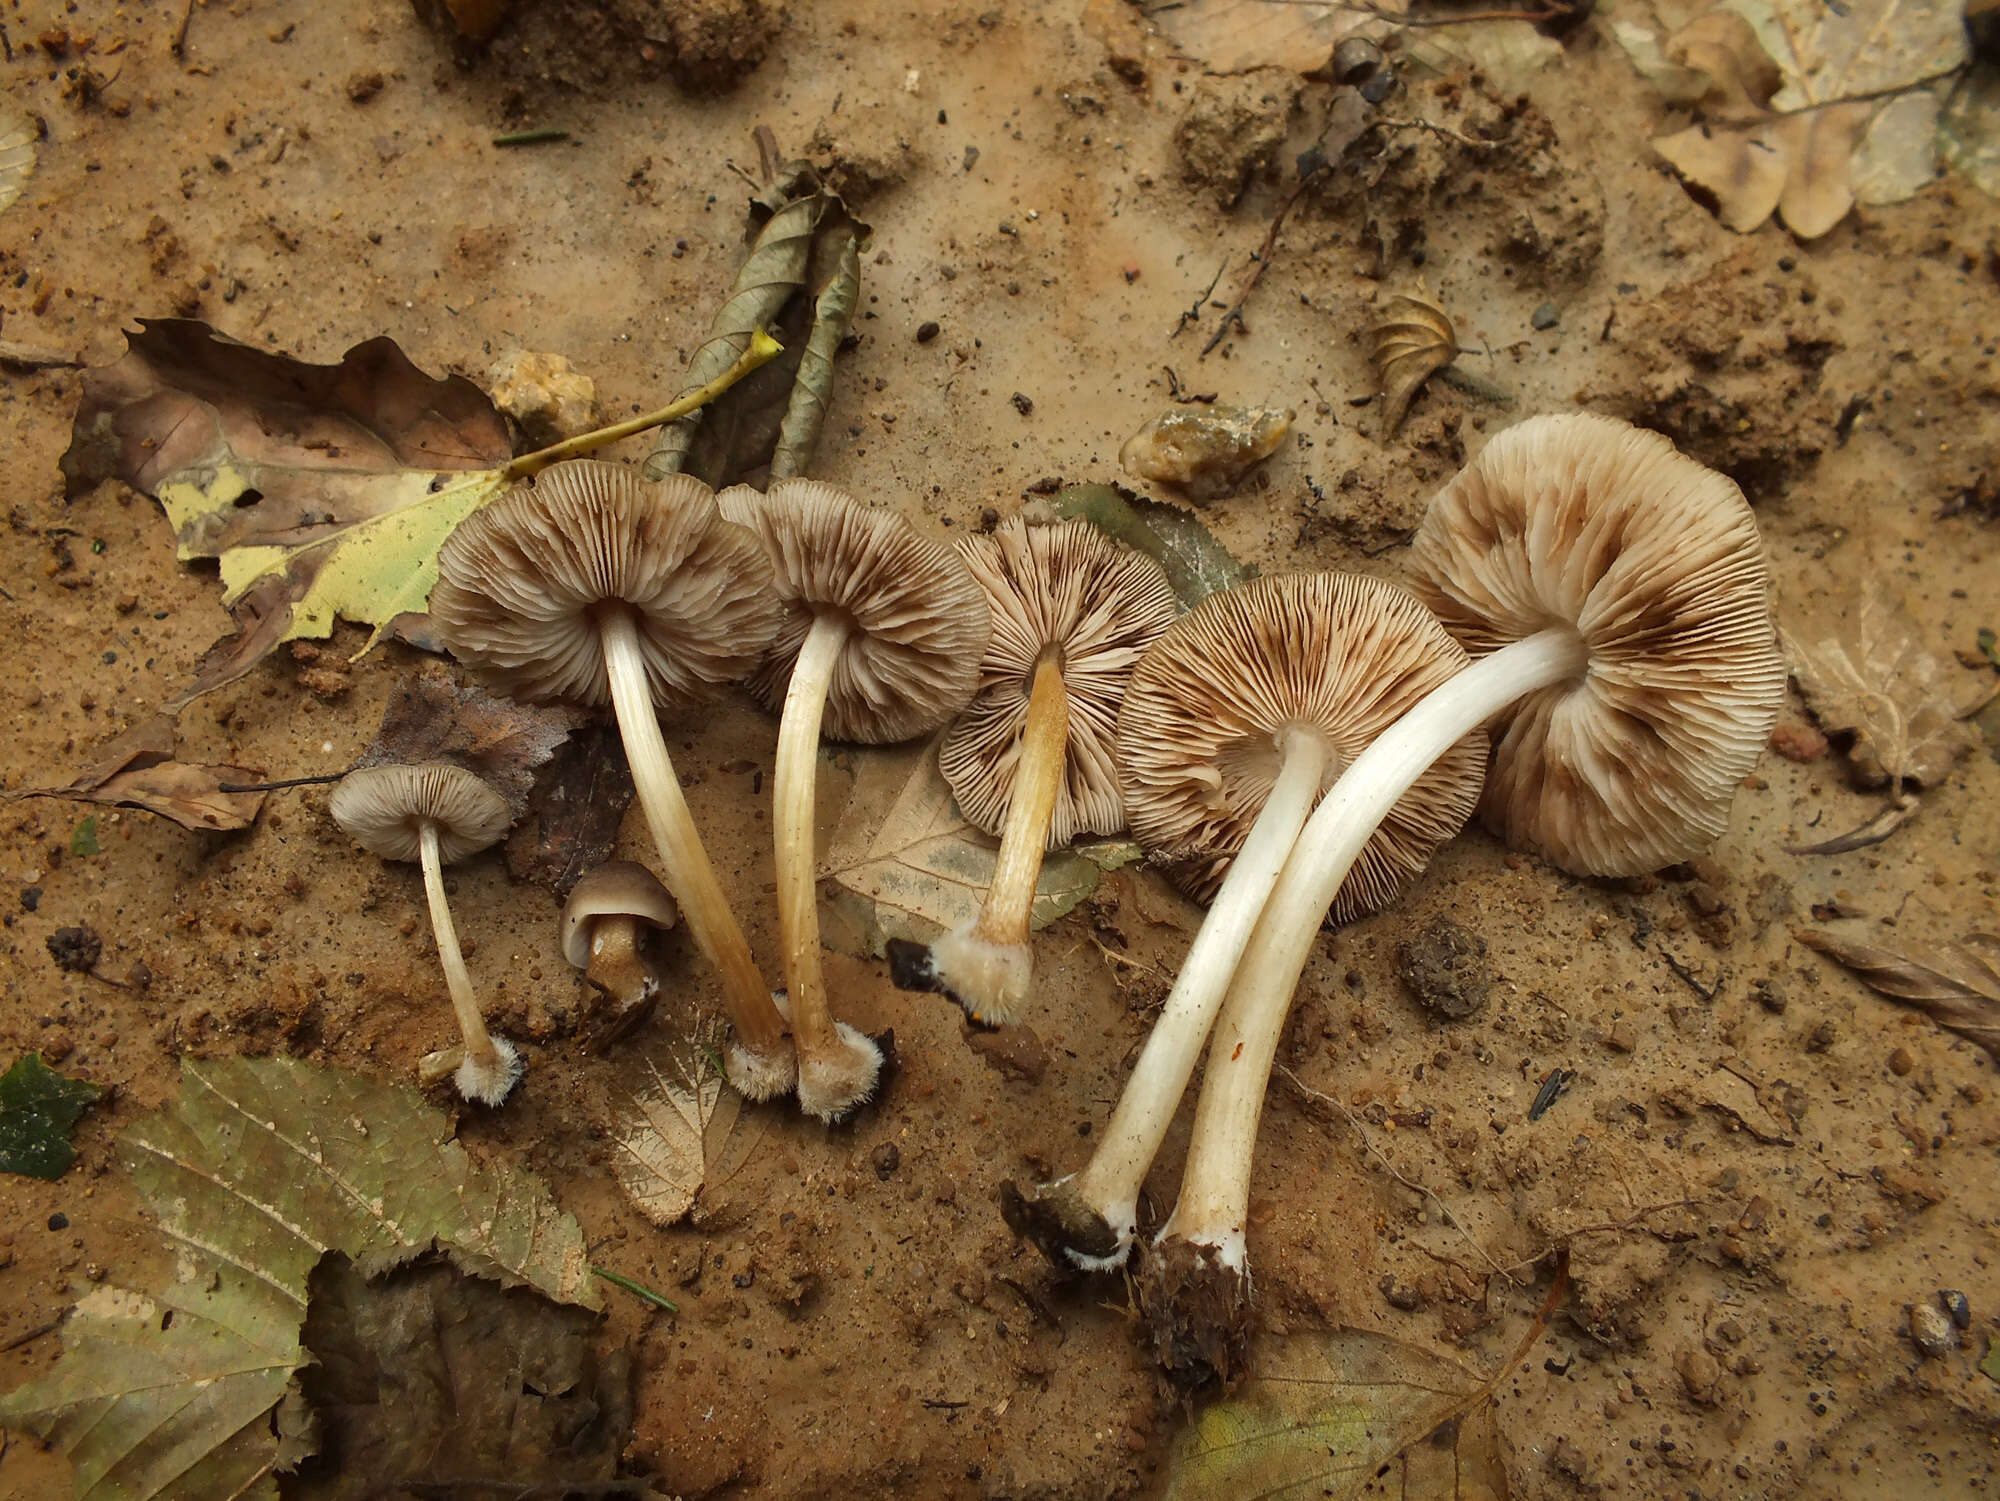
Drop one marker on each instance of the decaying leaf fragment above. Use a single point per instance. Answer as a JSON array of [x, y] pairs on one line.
[[685, 1136], [909, 865], [137, 770], [1236, 36], [1867, 673], [253, 1174], [801, 282], [434, 716], [38, 1109], [1411, 342], [574, 810], [1957, 985], [17, 152], [1196, 564], [323, 490]]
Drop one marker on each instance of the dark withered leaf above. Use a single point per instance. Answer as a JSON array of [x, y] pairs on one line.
[[137, 770], [435, 717], [1196, 564], [38, 1109], [573, 813], [322, 490], [1957, 985], [801, 282], [429, 1378]]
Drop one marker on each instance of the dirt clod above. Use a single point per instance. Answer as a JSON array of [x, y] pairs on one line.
[[1233, 127], [1444, 968], [75, 950]]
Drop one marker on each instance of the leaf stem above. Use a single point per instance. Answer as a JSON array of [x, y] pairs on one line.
[[763, 348], [637, 1289]]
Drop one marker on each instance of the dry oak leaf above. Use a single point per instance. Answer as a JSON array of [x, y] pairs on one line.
[[323, 490], [433, 716], [1957, 985], [1868, 673], [137, 770]]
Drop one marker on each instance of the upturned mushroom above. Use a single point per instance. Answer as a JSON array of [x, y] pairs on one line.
[[881, 642], [613, 914], [592, 585], [1031, 759], [1615, 596], [437, 814], [1234, 723]]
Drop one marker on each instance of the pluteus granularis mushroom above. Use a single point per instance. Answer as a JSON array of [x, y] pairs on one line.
[[1031, 758], [1615, 597], [1234, 722], [881, 642], [608, 925], [594, 586], [437, 814]]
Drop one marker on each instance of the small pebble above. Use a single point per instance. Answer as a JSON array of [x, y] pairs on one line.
[[58, 1221], [1023, 403], [1957, 1305], [1932, 1331], [927, 331], [1901, 1062], [1544, 316], [886, 1158]]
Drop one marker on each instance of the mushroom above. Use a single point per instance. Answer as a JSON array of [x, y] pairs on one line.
[[1031, 758], [437, 813], [608, 923], [1615, 596], [881, 642], [1234, 723], [590, 585]]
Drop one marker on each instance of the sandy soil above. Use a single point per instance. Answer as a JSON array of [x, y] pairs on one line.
[[308, 176]]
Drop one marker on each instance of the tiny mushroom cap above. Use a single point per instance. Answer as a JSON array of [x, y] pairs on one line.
[[384, 809], [617, 889], [1655, 561], [518, 594], [918, 622], [1065, 587], [1335, 655]]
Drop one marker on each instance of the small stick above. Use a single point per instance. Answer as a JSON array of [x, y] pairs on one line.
[[330, 776], [177, 43], [1263, 259], [540, 136], [1193, 313], [637, 1289]]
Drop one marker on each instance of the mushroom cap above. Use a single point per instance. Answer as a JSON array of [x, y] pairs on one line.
[[1656, 561], [920, 622], [384, 809], [1070, 587], [522, 584], [1334, 654], [617, 888]]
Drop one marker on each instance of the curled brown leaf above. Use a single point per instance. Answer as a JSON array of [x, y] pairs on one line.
[[137, 770], [1957, 985]]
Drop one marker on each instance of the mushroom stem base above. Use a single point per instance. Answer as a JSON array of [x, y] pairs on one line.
[[1065, 1228], [1198, 1309], [835, 1083]]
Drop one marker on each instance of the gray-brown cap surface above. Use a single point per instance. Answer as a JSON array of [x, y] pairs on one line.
[[1334, 654], [521, 581], [1070, 588], [1656, 562], [919, 621], [617, 888], [384, 809]]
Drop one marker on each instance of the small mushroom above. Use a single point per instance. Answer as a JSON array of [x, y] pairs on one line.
[[608, 926], [593, 585], [1031, 759], [1614, 596], [881, 642], [1234, 723], [437, 813]]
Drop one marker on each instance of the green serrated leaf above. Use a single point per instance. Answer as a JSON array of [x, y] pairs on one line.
[[83, 839], [1196, 564], [254, 1173], [38, 1109]]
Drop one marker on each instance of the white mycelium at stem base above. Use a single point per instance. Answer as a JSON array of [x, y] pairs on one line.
[[838, 1065], [760, 1063], [1615, 594], [1233, 723], [987, 964], [492, 1065]]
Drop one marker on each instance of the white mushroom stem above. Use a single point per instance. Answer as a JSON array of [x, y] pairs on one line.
[[481, 1053], [988, 965], [1214, 1202], [1110, 1185], [837, 1065], [761, 1064]]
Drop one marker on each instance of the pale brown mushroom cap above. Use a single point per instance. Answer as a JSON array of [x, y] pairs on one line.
[[384, 809], [920, 622], [1656, 561], [1332, 653], [617, 888], [1067, 586], [521, 584]]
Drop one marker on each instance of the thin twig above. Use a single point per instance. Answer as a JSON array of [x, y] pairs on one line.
[[323, 777], [1263, 259], [1687, 976], [177, 43], [1193, 313], [1439, 130], [637, 1289], [14, 1342]]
